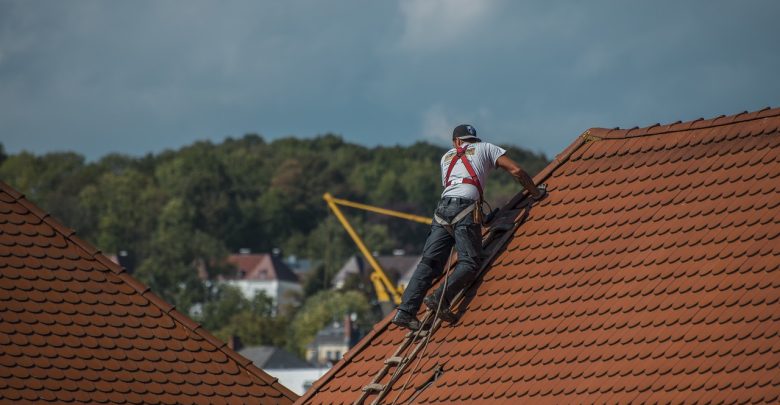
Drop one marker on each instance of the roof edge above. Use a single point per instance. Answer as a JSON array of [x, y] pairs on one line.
[[679, 126], [559, 160], [375, 330], [590, 135], [562, 158], [145, 291]]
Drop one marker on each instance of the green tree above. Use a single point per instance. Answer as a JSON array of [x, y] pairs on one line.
[[255, 324], [318, 279], [53, 181], [182, 211], [325, 307], [225, 302], [179, 254], [199, 180], [121, 202]]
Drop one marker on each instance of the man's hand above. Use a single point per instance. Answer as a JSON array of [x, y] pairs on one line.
[[520, 175]]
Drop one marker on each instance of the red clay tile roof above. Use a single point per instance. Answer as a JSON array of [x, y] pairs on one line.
[[650, 273], [261, 267], [74, 327]]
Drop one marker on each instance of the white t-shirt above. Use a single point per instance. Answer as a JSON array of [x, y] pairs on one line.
[[482, 156]]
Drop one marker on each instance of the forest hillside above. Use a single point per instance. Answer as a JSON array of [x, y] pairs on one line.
[[182, 210]]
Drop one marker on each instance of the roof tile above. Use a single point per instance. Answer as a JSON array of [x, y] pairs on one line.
[[649, 274], [76, 327]]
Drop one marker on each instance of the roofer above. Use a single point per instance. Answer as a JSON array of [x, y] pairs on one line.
[[457, 220]]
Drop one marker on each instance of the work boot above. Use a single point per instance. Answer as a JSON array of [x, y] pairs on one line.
[[432, 302], [406, 320]]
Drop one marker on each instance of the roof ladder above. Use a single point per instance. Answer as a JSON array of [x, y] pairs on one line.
[[500, 232], [398, 361]]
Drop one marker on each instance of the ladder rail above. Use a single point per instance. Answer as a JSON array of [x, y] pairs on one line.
[[383, 371], [437, 322], [490, 237], [410, 338]]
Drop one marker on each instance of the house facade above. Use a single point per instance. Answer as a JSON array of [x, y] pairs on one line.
[[264, 272]]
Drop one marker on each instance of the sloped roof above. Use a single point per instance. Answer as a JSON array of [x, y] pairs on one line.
[[650, 272], [261, 267], [75, 327]]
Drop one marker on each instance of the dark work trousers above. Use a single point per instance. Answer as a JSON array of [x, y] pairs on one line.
[[468, 243]]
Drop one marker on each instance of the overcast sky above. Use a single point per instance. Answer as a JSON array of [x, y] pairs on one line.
[[135, 77]]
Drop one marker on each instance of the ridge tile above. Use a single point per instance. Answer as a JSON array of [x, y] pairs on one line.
[[648, 274]]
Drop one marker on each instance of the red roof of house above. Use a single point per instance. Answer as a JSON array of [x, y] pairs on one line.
[[75, 327], [651, 272], [260, 267]]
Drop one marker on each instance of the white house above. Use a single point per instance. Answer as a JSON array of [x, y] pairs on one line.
[[263, 272]]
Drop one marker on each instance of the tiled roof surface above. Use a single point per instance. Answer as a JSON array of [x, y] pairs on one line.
[[74, 327], [261, 267], [650, 273]]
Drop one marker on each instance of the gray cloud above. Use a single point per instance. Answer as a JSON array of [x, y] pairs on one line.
[[134, 77]]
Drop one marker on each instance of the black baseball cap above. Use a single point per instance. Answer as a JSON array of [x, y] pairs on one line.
[[465, 132]]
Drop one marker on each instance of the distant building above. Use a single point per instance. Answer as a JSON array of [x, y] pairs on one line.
[[396, 267], [272, 357], [263, 272], [298, 380], [332, 342], [299, 266], [292, 371]]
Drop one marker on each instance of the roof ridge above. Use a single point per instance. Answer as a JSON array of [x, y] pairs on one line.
[[560, 159], [346, 379], [679, 126], [145, 291]]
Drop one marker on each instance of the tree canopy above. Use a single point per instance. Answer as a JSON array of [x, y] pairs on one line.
[[181, 212]]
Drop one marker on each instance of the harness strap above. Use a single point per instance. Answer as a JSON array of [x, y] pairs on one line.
[[473, 180], [449, 225]]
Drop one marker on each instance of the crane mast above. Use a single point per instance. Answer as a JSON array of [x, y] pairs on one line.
[[386, 291]]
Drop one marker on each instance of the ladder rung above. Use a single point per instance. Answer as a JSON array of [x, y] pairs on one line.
[[403, 362], [422, 333], [374, 387], [395, 360]]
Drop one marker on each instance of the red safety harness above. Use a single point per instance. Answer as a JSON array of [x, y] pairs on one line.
[[473, 180]]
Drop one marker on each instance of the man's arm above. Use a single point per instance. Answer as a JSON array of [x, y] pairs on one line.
[[519, 174]]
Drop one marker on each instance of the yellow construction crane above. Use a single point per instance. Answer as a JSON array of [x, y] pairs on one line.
[[386, 291]]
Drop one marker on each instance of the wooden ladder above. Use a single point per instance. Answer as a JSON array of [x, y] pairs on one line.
[[501, 230]]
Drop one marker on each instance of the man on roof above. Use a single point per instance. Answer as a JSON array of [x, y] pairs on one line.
[[457, 220]]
